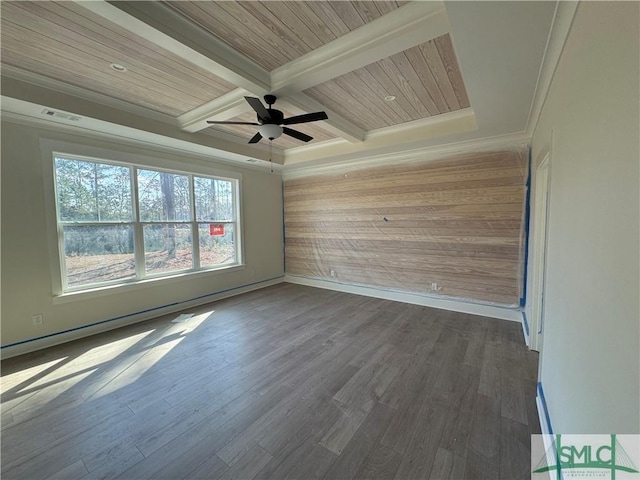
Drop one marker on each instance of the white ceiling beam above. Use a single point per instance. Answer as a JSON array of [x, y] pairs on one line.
[[159, 24], [222, 108], [410, 25], [399, 30], [336, 124], [405, 27]]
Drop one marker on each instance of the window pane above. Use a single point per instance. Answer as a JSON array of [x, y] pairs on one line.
[[98, 254], [214, 199], [167, 247], [217, 244], [92, 192], [163, 197]]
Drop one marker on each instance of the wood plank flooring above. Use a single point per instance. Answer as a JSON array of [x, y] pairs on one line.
[[284, 382]]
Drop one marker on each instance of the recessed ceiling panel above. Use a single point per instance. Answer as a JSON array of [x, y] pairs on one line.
[[274, 33], [65, 42], [425, 81]]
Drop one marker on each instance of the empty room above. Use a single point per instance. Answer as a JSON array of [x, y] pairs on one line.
[[320, 240]]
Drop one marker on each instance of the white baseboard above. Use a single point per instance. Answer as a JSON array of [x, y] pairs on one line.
[[53, 339], [414, 298]]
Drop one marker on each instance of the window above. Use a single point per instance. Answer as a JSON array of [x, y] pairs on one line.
[[121, 223]]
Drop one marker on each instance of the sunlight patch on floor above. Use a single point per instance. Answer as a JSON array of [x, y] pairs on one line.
[[13, 379]]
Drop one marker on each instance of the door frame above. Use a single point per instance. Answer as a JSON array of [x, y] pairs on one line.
[[540, 240]]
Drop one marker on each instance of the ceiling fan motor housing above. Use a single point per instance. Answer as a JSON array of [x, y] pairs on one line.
[[276, 117]]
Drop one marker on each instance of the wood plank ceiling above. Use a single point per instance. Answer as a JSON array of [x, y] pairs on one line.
[[425, 81], [274, 33], [65, 42], [70, 43]]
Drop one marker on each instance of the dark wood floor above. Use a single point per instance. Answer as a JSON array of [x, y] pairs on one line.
[[284, 382]]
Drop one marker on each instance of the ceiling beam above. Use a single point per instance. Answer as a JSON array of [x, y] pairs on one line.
[[159, 24], [336, 124], [405, 27], [222, 108], [399, 30]]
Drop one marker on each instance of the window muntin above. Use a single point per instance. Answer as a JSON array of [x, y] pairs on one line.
[[122, 223]]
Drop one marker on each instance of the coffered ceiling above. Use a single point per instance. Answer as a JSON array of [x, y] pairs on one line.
[[391, 75]]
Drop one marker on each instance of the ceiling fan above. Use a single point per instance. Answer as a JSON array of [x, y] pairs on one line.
[[271, 121]]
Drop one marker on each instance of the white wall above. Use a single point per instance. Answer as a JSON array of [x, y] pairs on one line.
[[590, 361], [26, 267]]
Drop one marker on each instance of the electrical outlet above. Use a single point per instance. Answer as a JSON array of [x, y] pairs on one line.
[[37, 320], [332, 273], [435, 287]]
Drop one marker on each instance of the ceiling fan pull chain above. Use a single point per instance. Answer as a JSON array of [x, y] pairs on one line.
[[270, 154]]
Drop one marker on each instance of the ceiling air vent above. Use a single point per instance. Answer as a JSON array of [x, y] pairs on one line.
[[61, 115]]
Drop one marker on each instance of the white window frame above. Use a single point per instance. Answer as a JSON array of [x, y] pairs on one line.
[[61, 292]]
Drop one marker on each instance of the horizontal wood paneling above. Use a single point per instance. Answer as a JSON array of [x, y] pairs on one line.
[[425, 80], [456, 222], [65, 42], [274, 33]]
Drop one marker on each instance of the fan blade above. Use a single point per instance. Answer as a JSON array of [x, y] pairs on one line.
[[232, 123], [257, 105], [256, 138], [307, 117], [296, 134]]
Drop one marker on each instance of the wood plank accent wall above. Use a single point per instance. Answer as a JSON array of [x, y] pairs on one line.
[[457, 222]]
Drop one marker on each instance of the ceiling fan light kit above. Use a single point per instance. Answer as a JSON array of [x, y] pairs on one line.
[[270, 131], [271, 122]]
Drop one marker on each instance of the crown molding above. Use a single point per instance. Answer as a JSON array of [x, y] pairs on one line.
[[38, 80], [558, 34], [409, 135], [155, 143], [418, 155], [21, 102]]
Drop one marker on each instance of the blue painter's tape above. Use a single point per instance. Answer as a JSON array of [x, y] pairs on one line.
[[136, 313], [527, 216], [545, 410]]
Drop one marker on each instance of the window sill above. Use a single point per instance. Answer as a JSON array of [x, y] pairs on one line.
[[139, 285]]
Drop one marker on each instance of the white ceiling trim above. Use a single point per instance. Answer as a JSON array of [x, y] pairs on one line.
[[222, 108], [335, 124], [9, 71], [24, 113], [405, 27], [169, 30], [512, 140], [399, 30], [562, 21], [417, 133]]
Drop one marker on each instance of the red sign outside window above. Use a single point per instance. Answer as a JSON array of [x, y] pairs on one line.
[[216, 229]]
